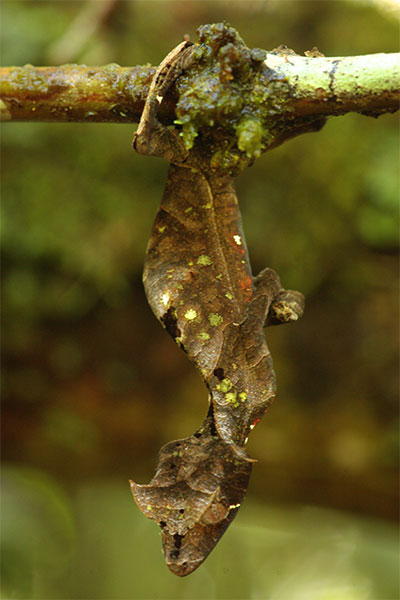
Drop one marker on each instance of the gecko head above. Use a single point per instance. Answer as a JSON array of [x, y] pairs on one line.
[[196, 492]]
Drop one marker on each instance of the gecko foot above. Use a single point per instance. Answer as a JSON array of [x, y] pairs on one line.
[[288, 307], [154, 139]]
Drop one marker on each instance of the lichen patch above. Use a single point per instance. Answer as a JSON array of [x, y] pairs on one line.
[[203, 336], [224, 386], [190, 314], [215, 319], [204, 260], [231, 397]]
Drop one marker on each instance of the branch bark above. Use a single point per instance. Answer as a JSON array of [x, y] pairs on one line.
[[335, 86], [74, 93], [318, 86]]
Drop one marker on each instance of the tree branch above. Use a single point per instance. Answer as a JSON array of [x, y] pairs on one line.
[[335, 86], [76, 93], [316, 86]]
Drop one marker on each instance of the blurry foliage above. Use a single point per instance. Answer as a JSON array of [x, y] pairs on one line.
[[92, 386], [37, 534], [92, 545]]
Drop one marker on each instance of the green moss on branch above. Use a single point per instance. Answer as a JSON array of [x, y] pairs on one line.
[[249, 99]]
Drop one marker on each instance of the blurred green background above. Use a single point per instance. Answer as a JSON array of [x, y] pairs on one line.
[[93, 386]]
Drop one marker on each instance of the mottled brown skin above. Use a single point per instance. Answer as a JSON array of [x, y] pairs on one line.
[[198, 282]]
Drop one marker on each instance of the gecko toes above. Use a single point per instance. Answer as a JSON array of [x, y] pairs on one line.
[[288, 307]]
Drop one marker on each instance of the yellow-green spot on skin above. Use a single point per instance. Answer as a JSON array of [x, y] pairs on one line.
[[204, 260], [215, 319], [242, 396], [229, 296], [231, 397], [203, 336], [224, 386], [190, 263], [190, 314], [162, 228], [204, 372], [148, 507]]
